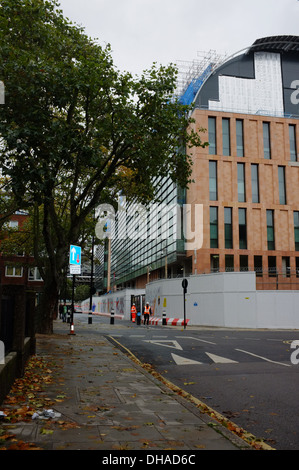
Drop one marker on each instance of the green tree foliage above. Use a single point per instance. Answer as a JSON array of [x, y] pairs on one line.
[[75, 131]]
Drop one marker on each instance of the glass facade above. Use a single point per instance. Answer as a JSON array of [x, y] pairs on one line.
[[293, 143], [214, 227], [145, 237], [241, 183], [240, 138], [213, 181], [266, 139], [212, 136], [228, 227], [296, 229], [255, 183], [226, 137], [242, 229], [282, 185], [270, 230]]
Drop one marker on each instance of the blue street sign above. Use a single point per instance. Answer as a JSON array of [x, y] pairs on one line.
[[75, 255]]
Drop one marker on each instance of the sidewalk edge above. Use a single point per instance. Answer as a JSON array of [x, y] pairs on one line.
[[227, 425]]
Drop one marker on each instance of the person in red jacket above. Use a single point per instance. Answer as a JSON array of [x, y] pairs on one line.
[[133, 313]]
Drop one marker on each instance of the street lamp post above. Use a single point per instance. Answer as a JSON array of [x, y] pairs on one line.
[[91, 284]]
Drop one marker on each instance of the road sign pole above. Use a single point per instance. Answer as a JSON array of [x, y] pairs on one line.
[[184, 309], [91, 285], [72, 307], [184, 286], [75, 268]]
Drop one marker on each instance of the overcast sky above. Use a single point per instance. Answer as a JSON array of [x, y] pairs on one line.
[[166, 31]]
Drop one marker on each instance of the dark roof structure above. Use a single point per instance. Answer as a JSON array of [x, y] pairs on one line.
[[276, 44], [270, 67]]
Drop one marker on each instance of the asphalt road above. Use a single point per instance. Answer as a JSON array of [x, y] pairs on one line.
[[245, 375]]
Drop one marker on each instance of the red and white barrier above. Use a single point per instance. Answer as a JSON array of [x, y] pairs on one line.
[[152, 320], [169, 321], [121, 317]]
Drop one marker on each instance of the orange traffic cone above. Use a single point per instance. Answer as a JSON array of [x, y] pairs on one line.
[[72, 332]]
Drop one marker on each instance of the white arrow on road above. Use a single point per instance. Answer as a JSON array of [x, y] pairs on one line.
[[174, 344], [220, 360], [183, 361]]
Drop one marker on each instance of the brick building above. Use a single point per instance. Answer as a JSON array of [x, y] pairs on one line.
[[248, 177], [19, 269]]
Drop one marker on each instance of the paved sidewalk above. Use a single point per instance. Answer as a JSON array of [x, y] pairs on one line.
[[106, 401]]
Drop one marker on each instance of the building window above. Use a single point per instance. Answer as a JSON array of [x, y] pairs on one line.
[[255, 183], [226, 137], [242, 229], [286, 268], [240, 138], [266, 138], [243, 263], [214, 263], [293, 143], [258, 265], [229, 263], [13, 271], [212, 136], [241, 183], [13, 224], [213, 181], [270, 230], [34, 274], [214, 227], [272, 266], [296, 230], [281, 185], [297, 267], [228, 227]]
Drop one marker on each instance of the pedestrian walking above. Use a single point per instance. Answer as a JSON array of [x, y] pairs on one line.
[[133, 313], [64, 313], [146, 313]]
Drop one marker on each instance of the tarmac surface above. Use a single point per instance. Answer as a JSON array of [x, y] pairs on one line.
[[101, 399]]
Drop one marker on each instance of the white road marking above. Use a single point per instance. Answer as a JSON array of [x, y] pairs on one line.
[[220, 360], [183, 361], [197, 339], [175, 344], [264, 358]]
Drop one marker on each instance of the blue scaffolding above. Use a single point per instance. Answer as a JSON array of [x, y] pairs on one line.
[[189, 94]]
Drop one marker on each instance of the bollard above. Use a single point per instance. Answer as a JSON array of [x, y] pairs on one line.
[[112, 317], [90, 317], [164, 318]]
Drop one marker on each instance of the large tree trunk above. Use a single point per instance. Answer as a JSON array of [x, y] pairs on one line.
[[48, 306], [52, 271]]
